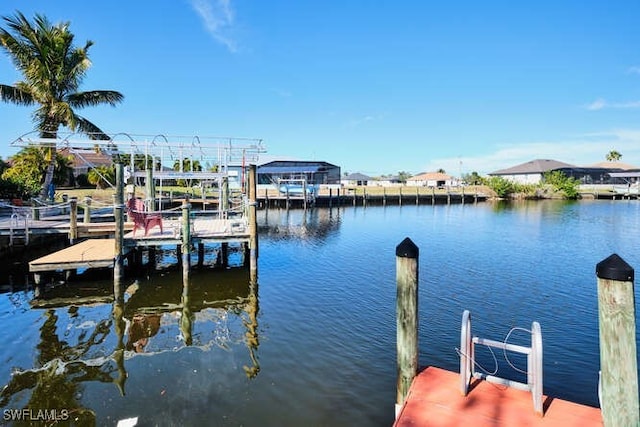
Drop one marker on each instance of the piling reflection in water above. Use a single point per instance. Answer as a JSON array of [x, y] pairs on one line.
[[150, 318]]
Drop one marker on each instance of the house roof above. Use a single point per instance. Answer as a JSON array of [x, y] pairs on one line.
[[357, 177], [613, 165], [430, 176], [533, 167], [288, 163], [86, 158]]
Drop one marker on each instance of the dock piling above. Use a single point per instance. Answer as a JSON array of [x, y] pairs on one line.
[[118, 208], [186, 241], [87, 210], [406, 317], [617, 324], [73, 220], [253, 224]]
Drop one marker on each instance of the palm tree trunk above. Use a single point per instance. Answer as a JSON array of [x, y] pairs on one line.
[[48, 177], [50, 130]]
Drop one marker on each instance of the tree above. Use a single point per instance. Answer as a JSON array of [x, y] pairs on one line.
[[473, 178], [187, 165], [27, 166], [562, 183], [613, 156], [52, 69], [403, 176], [102, 176], [501, 186]]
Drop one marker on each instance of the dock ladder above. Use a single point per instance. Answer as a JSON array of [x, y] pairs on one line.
[[534, 361], [19, 228]]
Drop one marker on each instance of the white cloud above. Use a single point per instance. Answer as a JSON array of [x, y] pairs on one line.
[[581, 150], [282, 93], [218, 18], [634, 70], [364, 119], [600, 104]]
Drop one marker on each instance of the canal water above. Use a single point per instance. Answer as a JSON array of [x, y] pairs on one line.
[[313, 342]]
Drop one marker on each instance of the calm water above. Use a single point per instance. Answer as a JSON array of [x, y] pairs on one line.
[[313, 343]]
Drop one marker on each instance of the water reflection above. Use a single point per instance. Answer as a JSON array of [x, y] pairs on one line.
[[314, 224], [82, 341]]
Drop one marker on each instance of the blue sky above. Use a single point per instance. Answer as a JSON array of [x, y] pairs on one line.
[[375, 87]]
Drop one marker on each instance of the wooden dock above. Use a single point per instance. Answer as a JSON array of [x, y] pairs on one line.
[[92, 253], [435, 399], [100, 253]]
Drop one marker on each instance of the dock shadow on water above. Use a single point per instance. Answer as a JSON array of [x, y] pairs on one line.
[[94, 352]]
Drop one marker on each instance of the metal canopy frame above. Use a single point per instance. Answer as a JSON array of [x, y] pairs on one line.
[[163, 150]]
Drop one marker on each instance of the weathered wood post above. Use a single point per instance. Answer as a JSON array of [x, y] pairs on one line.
[[87, 210], [253, 225], [330, 197], [73, 220], [384, 196], [287, 187], [224, 197], [150, 191], [406, 317], [304, 194], [65, 199], [186, 242], [118, 208], [618, 363], [400, 197]]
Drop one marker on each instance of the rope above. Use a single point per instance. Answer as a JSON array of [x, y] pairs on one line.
[[505, 350], [495, 360]]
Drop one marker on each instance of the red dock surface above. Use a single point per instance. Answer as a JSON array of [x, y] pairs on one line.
[[435, 399]]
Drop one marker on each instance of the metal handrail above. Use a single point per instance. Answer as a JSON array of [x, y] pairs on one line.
[[14, 226]]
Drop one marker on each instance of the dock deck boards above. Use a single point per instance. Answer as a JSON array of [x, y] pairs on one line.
[[435, 399], [92, 253], [100, 253]]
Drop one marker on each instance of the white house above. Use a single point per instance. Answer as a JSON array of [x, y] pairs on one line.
[[433, 179], [530, 172], [358, 179]]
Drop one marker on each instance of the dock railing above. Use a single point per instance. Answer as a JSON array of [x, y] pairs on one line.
[[534, 361]]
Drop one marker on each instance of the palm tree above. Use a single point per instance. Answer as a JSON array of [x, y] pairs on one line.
[[613, 156], [52, 69]]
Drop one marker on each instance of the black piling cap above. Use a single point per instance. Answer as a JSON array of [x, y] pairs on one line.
[[614, 268], [407, 249]]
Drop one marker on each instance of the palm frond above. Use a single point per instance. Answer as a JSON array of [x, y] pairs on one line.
[[15, 95], [91, 130], [94, 97]]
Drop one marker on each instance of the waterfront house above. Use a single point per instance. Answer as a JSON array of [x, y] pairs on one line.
[[357, 179], [433, 179], [313, 172], [530, 172]]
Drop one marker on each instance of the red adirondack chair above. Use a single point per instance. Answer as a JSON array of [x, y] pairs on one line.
[[141, 218]]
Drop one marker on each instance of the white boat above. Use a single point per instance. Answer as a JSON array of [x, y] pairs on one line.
[[627, 189], [296, 189]]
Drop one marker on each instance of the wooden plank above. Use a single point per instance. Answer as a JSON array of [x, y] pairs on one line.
[[435, 400], [93, 253]]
